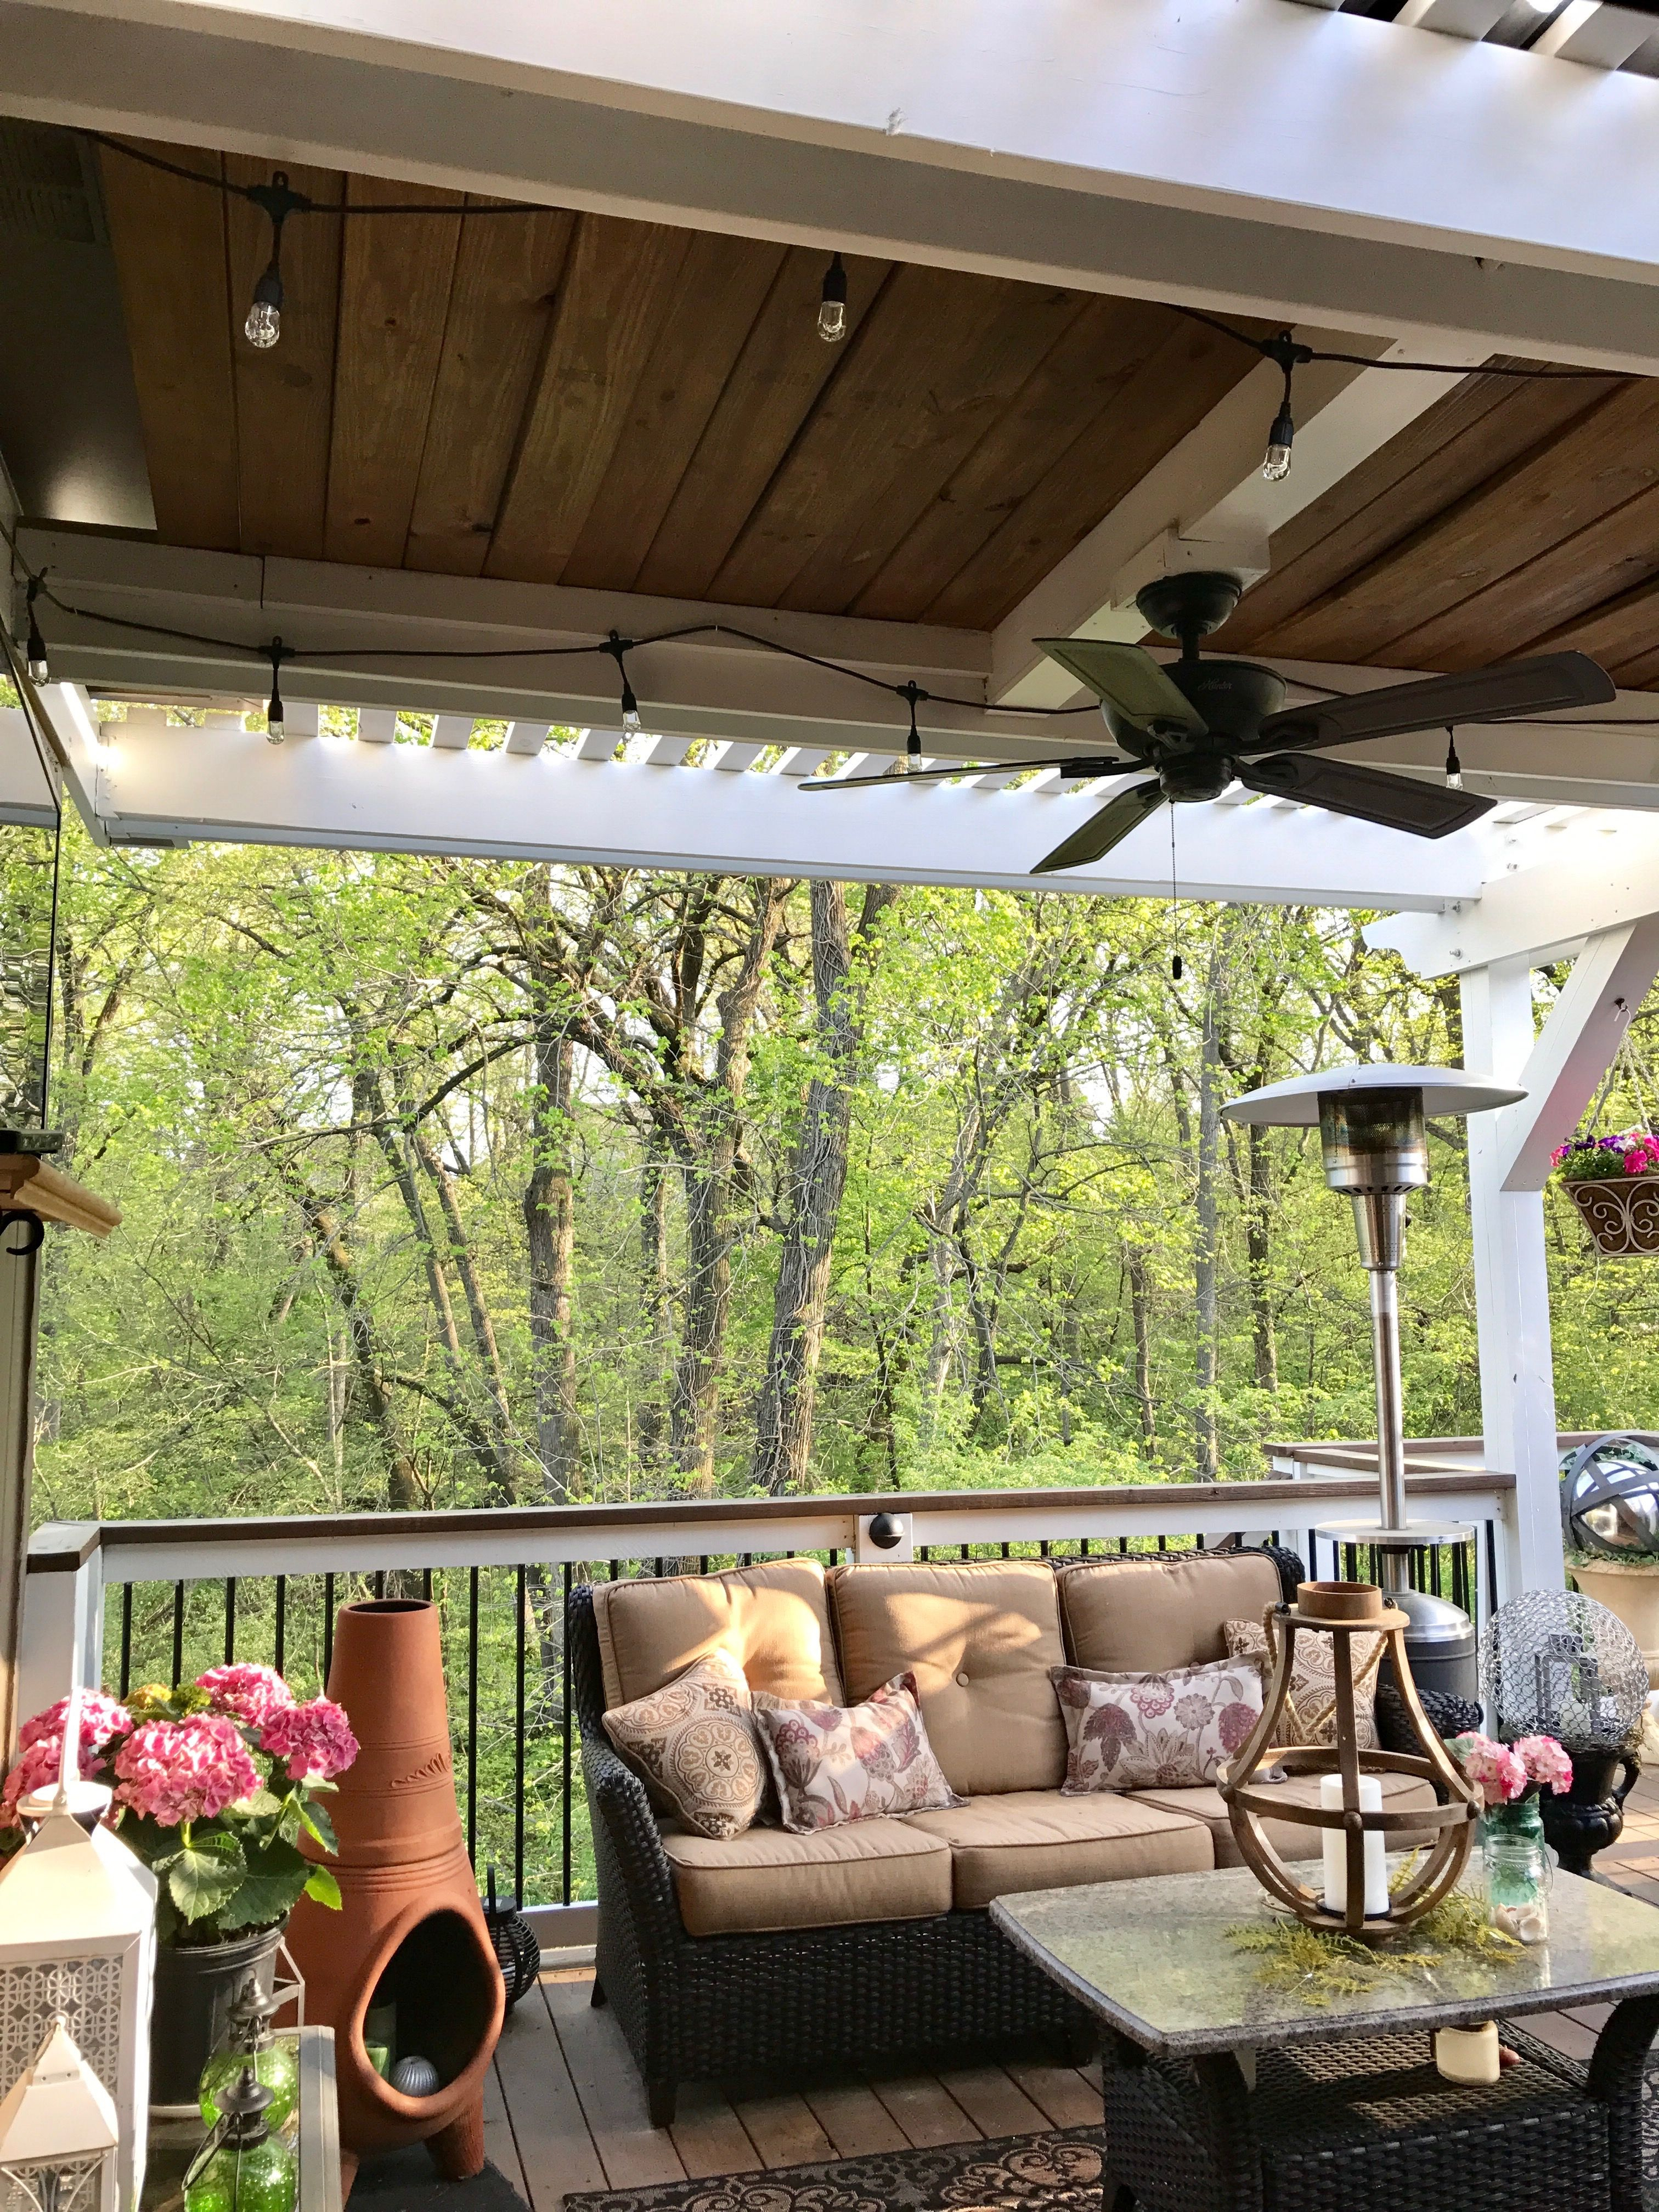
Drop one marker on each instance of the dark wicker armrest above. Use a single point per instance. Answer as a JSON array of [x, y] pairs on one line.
[[617, 1797]]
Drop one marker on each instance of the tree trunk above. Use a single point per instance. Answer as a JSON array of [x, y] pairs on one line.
[[651, 1421], [818, 1179], [550, 1220], [1258, 1247], [1134, 1261], [1206, 1208]]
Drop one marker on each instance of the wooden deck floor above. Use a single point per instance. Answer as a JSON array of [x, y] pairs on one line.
[[565, 2111]]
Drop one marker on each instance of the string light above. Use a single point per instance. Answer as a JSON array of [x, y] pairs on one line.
[[617, 645], [35, 652], [263, 325], [1453, 766], [912, 692], [275, 728], [832, 304], [1289, 355]]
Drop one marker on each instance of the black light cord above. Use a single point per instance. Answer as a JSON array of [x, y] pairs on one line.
[[1273, 349], [269, 198]]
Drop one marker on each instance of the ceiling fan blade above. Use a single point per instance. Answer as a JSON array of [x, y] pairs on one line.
[[1128, 679], [1396, 802], [1077, 764], [1543, 685], [1110, 826]]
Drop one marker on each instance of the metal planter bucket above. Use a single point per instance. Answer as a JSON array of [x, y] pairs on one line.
[[1621, 1213]]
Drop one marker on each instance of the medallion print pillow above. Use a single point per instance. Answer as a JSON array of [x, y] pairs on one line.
[[837, 1763], [1169, 1731], [693, 1743], [1309, 1715]]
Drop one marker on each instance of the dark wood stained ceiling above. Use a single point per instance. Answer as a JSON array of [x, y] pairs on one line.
[[576, 399], [1511, 517]]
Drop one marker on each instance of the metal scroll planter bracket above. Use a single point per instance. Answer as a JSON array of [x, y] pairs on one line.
[[1621, 1213]]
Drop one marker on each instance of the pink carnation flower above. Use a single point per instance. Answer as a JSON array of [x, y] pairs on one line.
[[248, 1693], [101, 1717], [1545, 1761], [315, 1739], [191, 1770], [1494, 1769]]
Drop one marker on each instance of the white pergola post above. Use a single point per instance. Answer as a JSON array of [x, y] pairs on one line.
[[1509, 1159]]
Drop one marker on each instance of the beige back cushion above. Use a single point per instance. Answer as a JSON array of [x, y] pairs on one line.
[[772, 1619], [1149, 1611], [980, 1641]]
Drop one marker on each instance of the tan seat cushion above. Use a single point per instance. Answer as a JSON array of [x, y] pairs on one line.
[[768, 1878], [1400, 1791], [980, 1640], [772, 1619], [1146, 1612], [1038, 1839]]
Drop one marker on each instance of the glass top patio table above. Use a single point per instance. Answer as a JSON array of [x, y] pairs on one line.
[[1152, 1957]]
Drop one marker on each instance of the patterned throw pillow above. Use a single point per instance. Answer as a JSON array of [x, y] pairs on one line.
[[1154, 1731], [838, 1763], [693, 1743], [1309, 1715]]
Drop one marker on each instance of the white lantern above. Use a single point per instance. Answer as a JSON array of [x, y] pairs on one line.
[[77, 1939], [58, 2133]]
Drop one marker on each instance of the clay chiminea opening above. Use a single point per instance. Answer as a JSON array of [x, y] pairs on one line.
[[407, 1965], [434, 1998]]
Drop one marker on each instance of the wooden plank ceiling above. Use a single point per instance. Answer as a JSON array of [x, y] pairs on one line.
[[576, 399], [1511, 517]]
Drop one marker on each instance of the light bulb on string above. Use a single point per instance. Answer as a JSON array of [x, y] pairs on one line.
[[276, 727], [1177, 969], [35, 651], [1284, 350], [1453, 766], [912, 692], [832, 304], [617, 646], [263, 325]]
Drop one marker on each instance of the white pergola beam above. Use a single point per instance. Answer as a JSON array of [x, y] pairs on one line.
[[1244, 154], [176, 785], [1575, 1048]]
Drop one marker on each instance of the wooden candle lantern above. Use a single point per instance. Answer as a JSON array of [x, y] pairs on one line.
[[1350, 1813]]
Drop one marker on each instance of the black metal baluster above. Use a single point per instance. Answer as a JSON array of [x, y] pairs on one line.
[[472, 1715], [426, 1584], [178, 1633], [1123, 1545], [328, 1628], [281, 1622], [702, 1565], [1163, 1543], [379, 1582], [1492, 1570], [230, 1620], [835, 1558], [1083, 1547], [564, 1743], [126, 1638], [523, 1585], [657, 1568]]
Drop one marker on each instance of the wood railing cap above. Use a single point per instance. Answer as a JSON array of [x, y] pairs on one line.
[[30, 1184]]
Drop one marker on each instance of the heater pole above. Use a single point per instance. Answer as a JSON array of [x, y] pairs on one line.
[[1391, 1414]]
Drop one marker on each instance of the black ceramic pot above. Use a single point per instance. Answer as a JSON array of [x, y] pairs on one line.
[[194, 1991], [1591, 1814]]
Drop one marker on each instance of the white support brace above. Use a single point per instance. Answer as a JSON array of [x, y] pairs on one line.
[[1566, 1067]]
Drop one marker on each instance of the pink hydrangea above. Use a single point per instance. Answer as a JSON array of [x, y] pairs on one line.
[[101, 1717], [1494, 1769], [248, 1693], [178, 1771], [315, 1739], [1546, 1762]]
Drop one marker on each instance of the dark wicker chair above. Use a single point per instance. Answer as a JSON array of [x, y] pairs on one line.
[[723, 2007]]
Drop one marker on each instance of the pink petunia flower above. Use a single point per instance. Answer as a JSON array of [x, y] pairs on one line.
[[1493, 1768], [248, 1693], [1546, 1762], [178, 1771], [315, 1739], [101, 1717]]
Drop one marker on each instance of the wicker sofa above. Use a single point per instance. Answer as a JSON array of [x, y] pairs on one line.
[[865, 1941]]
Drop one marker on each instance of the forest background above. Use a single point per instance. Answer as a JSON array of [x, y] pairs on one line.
[[453, 1182]]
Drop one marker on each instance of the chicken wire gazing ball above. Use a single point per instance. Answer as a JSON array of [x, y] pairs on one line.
[[1610, 1496], [1554, 1663]]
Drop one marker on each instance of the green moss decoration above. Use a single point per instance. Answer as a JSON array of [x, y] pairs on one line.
[[1456, 1939]]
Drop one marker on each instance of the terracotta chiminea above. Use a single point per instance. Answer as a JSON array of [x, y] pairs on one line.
[[410, 1933]]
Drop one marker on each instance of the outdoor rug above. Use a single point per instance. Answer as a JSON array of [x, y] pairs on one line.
[[1057, 2172], [403, 2181]]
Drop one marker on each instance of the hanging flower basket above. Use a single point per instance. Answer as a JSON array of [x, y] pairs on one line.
[[1614, 1183]]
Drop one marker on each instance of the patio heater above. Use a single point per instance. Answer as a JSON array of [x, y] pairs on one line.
[[1371, 1127]]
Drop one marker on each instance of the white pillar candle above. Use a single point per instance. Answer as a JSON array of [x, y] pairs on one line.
[[1467, 2054], [1335, 1844]]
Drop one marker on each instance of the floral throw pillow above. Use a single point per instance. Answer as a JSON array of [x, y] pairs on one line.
[[693, 1743], [837, 1763], [1169, 1731], [1309, 1715]]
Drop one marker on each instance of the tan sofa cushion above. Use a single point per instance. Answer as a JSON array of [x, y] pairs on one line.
[[772, 1619], [1038, 1839], [1287, 1838], [768, 1878], [1149, 1611], [980, 1640]]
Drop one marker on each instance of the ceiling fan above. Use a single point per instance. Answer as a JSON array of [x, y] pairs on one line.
[[1198, 725]]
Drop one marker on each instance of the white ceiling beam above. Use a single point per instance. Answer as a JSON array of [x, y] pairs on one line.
[[1247, 154], [1210, 490], [180, 784], [526, 737], [1575, 1048], [1598, 873], [1596, 33], [452, 732]]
